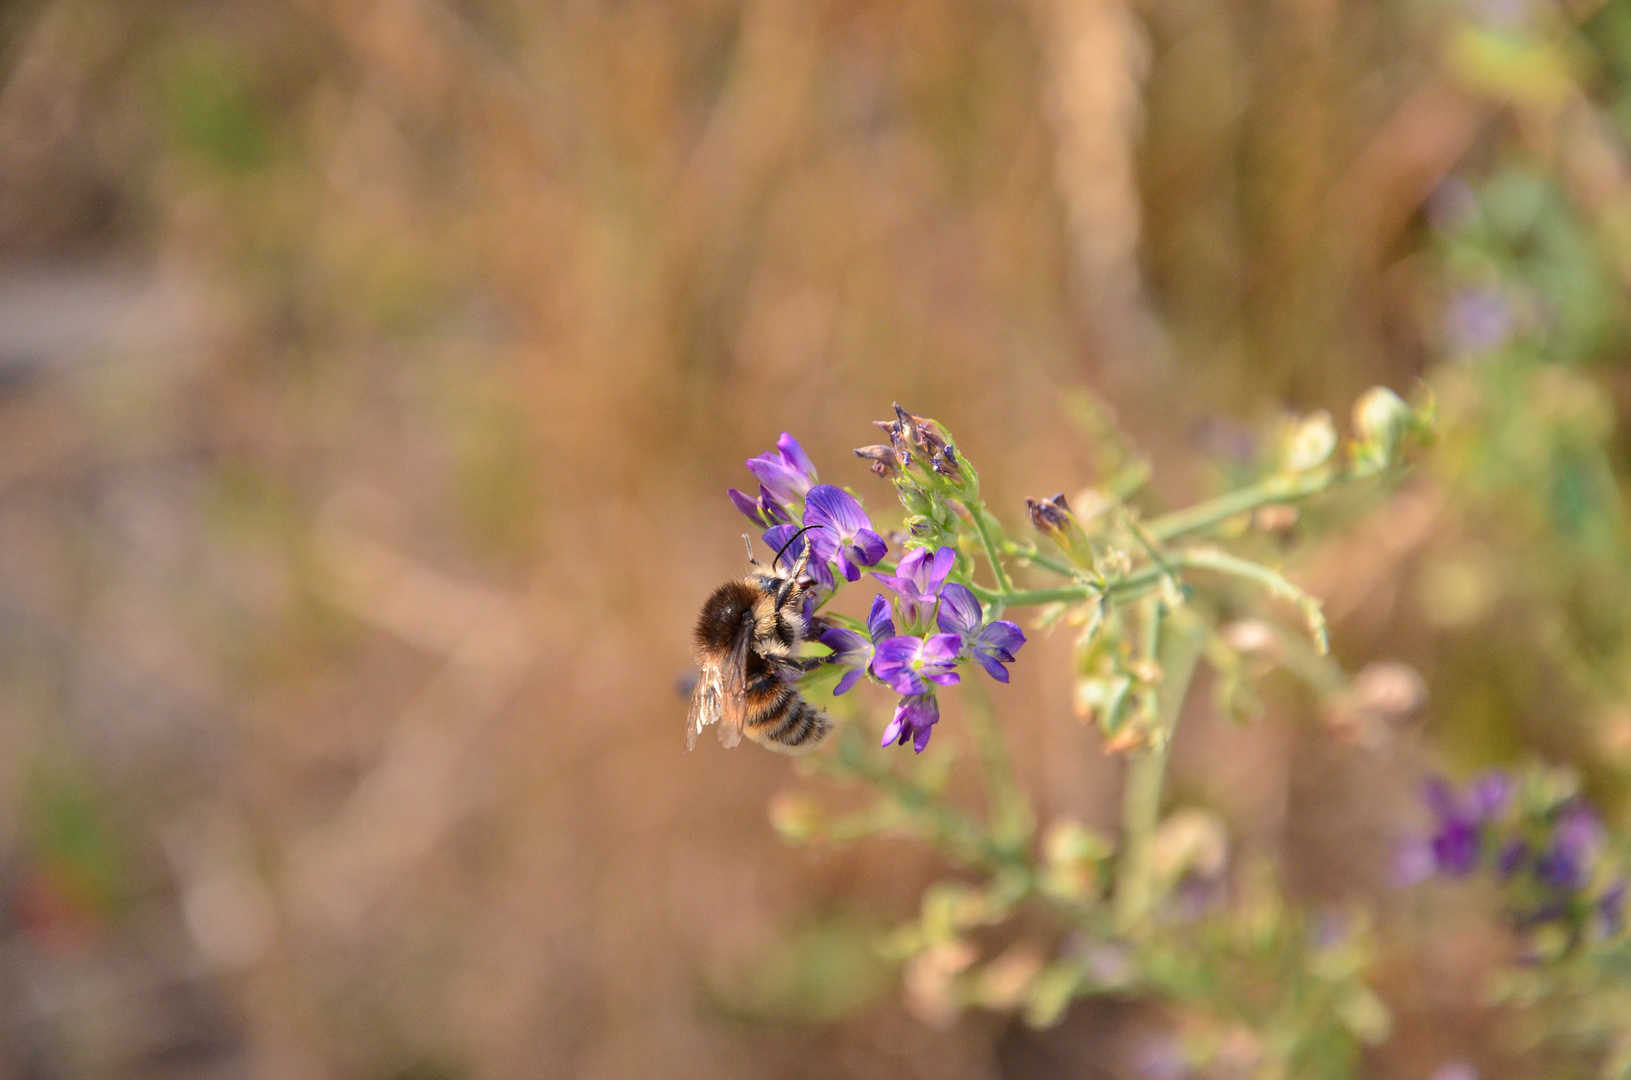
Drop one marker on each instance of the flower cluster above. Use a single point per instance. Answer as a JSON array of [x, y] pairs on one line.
[[1542, 840], [941, 626], [841, 537], [925, 626]]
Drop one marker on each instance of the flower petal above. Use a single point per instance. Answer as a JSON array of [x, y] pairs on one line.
[[851, 677], [795, 456], [892, 664], [892, 733], [1001, 635], [878, 623], [944, 559], [872, 547], [942, 649], [960, 612], [993, 666], [912, 569], [835, 508], [747, 504]]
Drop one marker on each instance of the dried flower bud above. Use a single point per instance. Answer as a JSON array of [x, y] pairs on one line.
[[1312, 442], [898, 441], [885, 462], [1051, 517], [1381, 419]]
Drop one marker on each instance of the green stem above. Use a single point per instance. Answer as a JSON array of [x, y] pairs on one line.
[[1276, 584], [1131, 585], [1036, 558], [1275, 489], [1146, 770], [977, 511]]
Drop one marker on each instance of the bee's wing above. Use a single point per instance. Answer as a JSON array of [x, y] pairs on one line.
[[720, 696]]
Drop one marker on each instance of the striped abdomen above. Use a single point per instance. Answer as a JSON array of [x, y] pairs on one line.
[[782, 720]]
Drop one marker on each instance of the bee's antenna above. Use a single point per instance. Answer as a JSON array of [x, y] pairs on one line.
[[790, 540], [748, 542]]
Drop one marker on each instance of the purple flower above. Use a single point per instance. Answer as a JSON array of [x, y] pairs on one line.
[[787, 474], [1458, 842], [1456, 846], [908, 664], [917, 582], [915, 717], [851, 650], [991, 645], [846, 535], [765, 511]]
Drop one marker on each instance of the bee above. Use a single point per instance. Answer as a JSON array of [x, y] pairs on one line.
[[745, 638]]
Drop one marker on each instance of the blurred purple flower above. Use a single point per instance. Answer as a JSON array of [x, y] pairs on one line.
[[851, 650], [1413, 862], [845, 536], [908, 664], [1478, 320], [1567, 864], [990, 645], [1456, 844], [915, 717], [1455, 1070], [917, 581], [764, 511]]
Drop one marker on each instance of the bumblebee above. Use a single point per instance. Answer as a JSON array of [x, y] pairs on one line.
[[745, 639]]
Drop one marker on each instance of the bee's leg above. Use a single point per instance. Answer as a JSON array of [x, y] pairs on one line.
[[789, 668], [802, 563]]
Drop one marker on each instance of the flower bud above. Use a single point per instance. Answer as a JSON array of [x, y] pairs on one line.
[[1381, 419], [1312, 443], [885, 462], [1053, 518]]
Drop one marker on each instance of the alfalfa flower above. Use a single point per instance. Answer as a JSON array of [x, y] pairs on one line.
[[766, 511], [915, 717], [917, 582], [788, 473], [991, 645], [842, 533], [908, 664], [854, 651]]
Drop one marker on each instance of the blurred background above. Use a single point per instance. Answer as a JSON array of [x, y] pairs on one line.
[[371, 373]]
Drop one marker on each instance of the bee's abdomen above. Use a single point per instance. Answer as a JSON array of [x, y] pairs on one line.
[[791, 723]]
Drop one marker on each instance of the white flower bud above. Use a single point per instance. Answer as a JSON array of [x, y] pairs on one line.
[[1312, 443], [1381, 418]]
